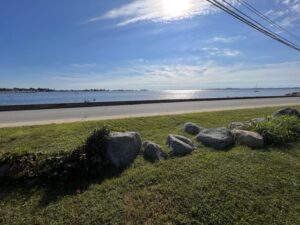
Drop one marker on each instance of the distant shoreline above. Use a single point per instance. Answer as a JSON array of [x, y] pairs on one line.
[[53, 90], [33, 90]]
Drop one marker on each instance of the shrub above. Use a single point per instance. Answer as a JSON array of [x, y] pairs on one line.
[[94, 151], [86, 161], [279, 130]]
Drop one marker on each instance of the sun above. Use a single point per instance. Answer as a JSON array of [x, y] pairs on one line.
[[175, 8]]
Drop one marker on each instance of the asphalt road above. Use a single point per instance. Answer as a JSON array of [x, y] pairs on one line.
[[34, 117]]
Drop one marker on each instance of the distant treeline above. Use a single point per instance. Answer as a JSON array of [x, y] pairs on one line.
[[54, 90], [26, 90], [43, 90]]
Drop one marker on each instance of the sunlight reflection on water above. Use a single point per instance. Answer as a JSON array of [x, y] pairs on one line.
[[182, 94]]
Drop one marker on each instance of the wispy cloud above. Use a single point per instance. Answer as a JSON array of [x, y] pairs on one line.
[[289, 13], [227, 52], [204, 74], [210, 74], [156, 11], [226, 39]]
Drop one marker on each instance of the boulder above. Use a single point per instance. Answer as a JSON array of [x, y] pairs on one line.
[[122, 148], [236, 125], [287, 112], [248, 138], [153, 152], [179, 145], [217, 138], [182, 138], [191, 128]]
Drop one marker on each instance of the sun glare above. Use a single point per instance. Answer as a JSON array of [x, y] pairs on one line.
[[176, 8]]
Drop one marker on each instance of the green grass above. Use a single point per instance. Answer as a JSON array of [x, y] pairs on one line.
[[241, 186]]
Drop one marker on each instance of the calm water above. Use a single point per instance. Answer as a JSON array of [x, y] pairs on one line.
[[72, 97]]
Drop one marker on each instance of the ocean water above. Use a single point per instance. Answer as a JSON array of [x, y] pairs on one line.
[[10, 98]]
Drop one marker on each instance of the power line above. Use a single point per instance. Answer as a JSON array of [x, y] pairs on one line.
[[258, 24], [242, 19], [262, 26], [264, 17], [253, 25]]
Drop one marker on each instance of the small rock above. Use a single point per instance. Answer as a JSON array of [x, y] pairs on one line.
[[191, 128], [218, 138], [179, 145], [287, 112], [153, 152], [236, 125], [248, 138], [122, 148]]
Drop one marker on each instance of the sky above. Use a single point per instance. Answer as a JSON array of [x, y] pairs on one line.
[[144, 44]]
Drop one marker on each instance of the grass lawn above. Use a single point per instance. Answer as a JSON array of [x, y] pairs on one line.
[[241, 186]]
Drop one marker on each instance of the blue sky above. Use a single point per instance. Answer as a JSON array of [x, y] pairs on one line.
[[152, 44]]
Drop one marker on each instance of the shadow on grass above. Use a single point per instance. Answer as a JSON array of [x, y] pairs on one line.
[[51, 193], [55, 193], [288, 148], [60, 174]]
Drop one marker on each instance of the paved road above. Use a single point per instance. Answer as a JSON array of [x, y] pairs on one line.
[[34, 117]]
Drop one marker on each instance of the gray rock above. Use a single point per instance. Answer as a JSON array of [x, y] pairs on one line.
[[248, 138], [122, 148], [183, 139], [236, 125], [218, 138], [153, 152], [191, 128], [287, 112], [179, 145]]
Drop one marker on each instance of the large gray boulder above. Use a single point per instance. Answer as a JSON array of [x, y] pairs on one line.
[[122, 148], [153, 152], [236, 125], [287, 112], [248, 138], [191, 128], [179, 145], [217, 138]]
